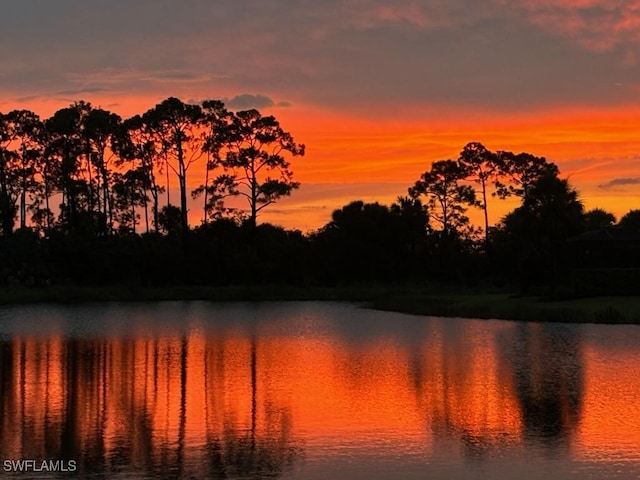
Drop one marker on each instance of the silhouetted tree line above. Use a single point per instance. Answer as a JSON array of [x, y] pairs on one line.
[[102, 171], [85, 198]]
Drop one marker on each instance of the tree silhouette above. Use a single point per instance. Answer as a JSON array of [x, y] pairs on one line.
[[45, 173], [256, 147], [413, 218], [170, 221], [370, 241], [22, 130], [631, 220], [482, 166], [598, 219], [359, 242], [176, 124], [102, 130], [130, 193], [138, 144], [9, 173], [217, 121], [520, 171], [550, 213], [65, 146], [447, 199]]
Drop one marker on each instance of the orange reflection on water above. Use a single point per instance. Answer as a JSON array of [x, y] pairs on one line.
[[227, 400], [156, 396], [610, 425], [33, 397]]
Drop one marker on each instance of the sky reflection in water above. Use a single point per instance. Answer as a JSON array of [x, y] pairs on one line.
[[315, 390]]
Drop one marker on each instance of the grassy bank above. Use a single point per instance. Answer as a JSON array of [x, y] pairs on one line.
[[432, 300], [76, 294], [510, 307]]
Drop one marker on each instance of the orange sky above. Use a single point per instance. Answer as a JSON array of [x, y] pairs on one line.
[[351, 157], [591, 148]]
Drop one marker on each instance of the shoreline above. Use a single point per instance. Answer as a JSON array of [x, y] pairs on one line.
[[597, 310], [415, 300]]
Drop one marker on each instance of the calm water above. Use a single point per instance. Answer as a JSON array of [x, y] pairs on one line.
[[314, 391]]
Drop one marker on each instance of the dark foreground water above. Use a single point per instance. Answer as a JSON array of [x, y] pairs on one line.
[[312, 391]]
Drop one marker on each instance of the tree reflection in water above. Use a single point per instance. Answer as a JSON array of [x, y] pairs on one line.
[[311, 389], [245, 453], [492, 392], [548, 374], [131, 405]]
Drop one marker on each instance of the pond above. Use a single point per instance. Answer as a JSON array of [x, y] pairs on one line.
[[312, 390]]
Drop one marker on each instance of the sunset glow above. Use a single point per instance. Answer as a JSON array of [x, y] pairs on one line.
[[376, 92]]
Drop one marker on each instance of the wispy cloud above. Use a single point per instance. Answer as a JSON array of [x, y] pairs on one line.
[[599, 25], [27, 98], [81, 90], [620, 182]]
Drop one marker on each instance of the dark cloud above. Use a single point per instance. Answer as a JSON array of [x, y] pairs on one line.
[[176, 75], [357, 55], [79, 91], [247, 101], [620, 182]]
